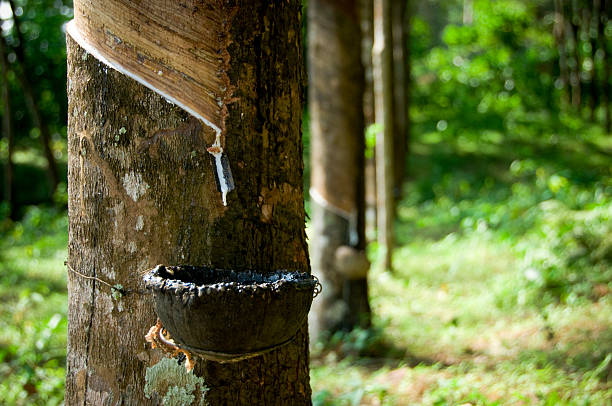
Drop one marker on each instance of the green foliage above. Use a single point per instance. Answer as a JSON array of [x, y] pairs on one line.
[[501, 291], [45, 57], [457, 392], [32, 367], [493, 76], [503, 275], [44, 47], [370, 139], [576, 261], [33, 308]]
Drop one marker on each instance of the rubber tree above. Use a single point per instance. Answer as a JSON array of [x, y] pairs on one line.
[[382, 62], [336, 87], [367, 39], [146, 132], [401, 93]]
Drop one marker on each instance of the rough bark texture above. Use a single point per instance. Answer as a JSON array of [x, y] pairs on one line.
[[337, 157], [383, 91], [142, 191]]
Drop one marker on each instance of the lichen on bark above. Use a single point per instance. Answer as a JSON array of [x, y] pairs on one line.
[[173, 385]]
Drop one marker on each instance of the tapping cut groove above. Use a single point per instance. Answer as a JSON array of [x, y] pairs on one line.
[[177, 51]]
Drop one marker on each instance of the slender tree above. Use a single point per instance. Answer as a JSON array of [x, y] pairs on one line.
[[7, 129], [367, 40], [559, 31], [32, 103], [336, 85], [468, 12], [142, 188], [592, 22], [575, 60], [606, 11], [383, 100], [401, 93]]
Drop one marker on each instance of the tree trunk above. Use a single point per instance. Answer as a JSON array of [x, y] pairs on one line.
[[576, 65], [142, 191], [593, 34], [337, 157], [32, 104], [468, 12], [367, 41], [383, 90], [559, 32], [7, 129], [606, 9], [401, 88]]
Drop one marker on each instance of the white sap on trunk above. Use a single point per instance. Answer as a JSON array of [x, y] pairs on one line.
[[217, 150]]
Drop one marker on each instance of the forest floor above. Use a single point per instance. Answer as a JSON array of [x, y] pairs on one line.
[[450, 330], [500, 292]]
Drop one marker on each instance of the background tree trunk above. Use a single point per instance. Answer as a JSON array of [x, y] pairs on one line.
[[606, 10], [576, 63], [142, 191], [32, 104], [367, 41], [593, 22], [401, 93], [337, 155], [7, 129], [559, 32], [383, 91], [468, 12]]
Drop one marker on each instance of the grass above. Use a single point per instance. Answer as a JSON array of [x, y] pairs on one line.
[[455, 339], [500, 295], [33, 305], [501, 289]]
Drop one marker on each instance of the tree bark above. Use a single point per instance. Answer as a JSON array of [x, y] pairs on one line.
[[142, 191], [32, 104], [383, 90], [7, 129], [337, 157]]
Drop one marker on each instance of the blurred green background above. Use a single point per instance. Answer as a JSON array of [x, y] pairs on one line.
[[502, 290]]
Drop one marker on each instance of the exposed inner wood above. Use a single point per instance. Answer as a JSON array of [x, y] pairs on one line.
[[179, 48]]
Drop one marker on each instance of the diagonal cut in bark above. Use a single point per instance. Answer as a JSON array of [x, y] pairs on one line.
[[165, 46]]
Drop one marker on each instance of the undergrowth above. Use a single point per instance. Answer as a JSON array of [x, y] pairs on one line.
[[500, 293]]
